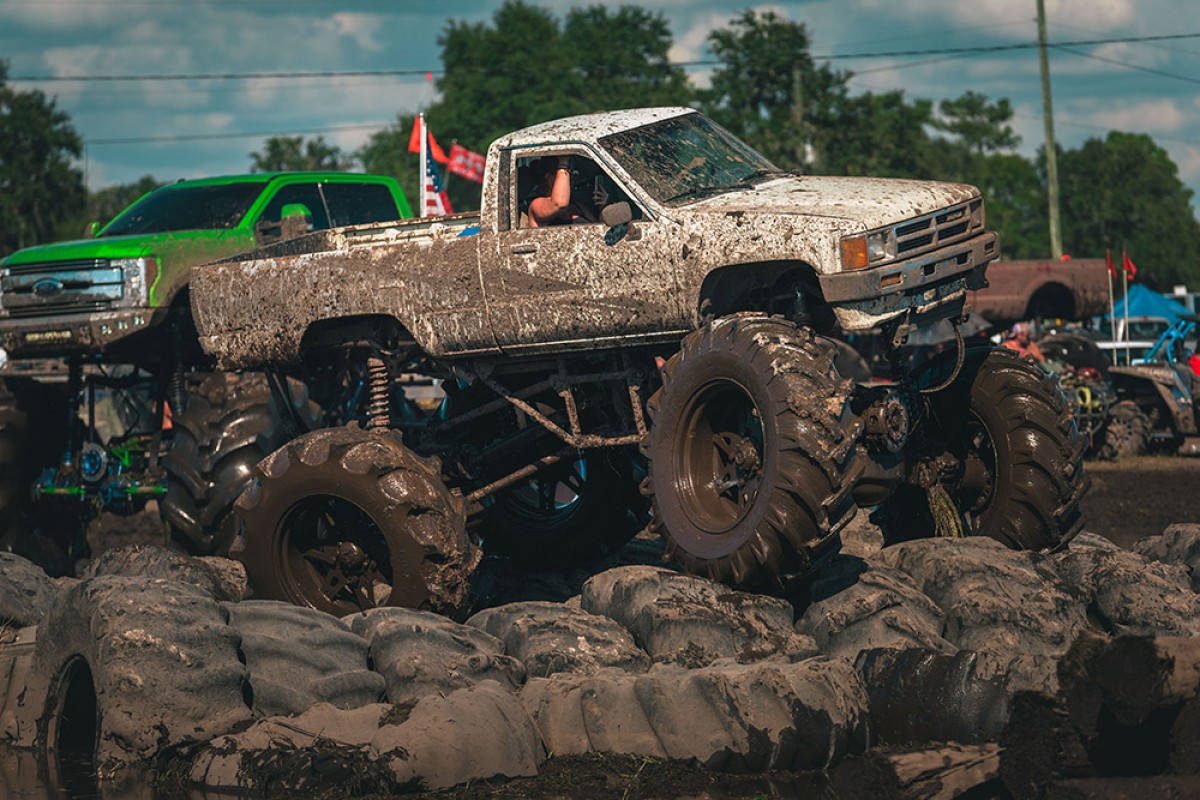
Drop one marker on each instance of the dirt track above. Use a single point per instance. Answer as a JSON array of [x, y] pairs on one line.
[[1139, 497]]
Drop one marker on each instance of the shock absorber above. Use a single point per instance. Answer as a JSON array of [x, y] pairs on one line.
[[379, 413]]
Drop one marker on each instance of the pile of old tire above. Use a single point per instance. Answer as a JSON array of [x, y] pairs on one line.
[[902, 678]]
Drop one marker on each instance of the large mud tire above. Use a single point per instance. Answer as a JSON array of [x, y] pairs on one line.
[[344, 519], [573, 512], [751, 451], [1010, 428], [298, 657], [1127, 432], [231, 423], [127, 667]]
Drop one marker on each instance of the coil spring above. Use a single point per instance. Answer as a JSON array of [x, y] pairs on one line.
[[379, 413]]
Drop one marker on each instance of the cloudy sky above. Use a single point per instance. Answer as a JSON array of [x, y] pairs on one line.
[[207, 127]]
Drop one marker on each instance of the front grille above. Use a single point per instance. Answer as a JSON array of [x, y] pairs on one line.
[[60, 287], [939, 229]]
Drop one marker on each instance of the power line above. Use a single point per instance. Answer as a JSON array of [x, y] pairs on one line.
[[286, 75], [198, 137], [1127, 65]]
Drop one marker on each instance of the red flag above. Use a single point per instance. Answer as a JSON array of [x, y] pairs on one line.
[[1127, 263], [466, 163], [435, 150], [1112, 270]]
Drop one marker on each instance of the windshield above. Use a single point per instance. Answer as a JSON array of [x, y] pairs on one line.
[[187, 208], [683, 159]]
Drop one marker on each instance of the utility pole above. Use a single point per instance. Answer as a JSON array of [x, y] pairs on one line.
[[1056, 248]]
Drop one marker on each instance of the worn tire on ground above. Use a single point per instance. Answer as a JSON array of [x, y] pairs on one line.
[[231, 423], [298, 657], [127, 667], [1127, 433], [345, 519], [1010, 428], [753, 404], [568, 515]]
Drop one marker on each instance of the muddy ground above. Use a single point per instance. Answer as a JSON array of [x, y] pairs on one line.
[[1129, 500]]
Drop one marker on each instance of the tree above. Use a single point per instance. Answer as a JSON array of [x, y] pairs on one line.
[[769, 91], [39, 184], [386, 153], [294, 153], [1124, 191], [980, 126], [880, 135], [1015, 203]]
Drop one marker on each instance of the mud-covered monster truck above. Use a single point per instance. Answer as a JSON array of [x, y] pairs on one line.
[[106, 319], [688, 322]]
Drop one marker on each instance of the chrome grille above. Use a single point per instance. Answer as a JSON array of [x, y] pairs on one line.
[[59, 287]]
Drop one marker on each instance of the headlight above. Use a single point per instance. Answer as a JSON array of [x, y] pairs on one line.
[[868, 249], [138, 274], [881, 246]]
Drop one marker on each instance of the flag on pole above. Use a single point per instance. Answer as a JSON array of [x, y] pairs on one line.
[[414, 141], [434, 202], [1112, 270], [466, 163], [1128, 265]]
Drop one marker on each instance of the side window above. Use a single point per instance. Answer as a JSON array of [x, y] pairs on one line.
[[591, 190], [359, 203], [296, 194]]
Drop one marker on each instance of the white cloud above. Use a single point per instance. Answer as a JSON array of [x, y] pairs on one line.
[[1151, 116], [362, 29]]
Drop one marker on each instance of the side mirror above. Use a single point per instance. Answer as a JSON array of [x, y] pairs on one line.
[[90, 231], [616, 214]]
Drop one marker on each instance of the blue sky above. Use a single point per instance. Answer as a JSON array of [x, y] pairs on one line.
[[1149, 87]]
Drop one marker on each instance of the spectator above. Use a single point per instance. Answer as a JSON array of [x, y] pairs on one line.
[[1019, 340]]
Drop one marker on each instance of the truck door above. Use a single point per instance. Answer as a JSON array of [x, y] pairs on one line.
[[579, 281]]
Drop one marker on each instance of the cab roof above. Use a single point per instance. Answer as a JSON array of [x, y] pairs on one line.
[[589, 127]]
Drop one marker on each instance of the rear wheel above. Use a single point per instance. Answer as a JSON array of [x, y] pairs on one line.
[[751, 450], [1127, 432], [231, 423], [343, 520], [1006, 447]]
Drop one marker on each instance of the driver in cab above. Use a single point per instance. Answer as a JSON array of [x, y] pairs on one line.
[[553, 204]]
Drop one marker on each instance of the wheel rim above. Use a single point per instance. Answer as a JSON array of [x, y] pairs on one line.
[[553, 496], [720, 460], [977, 485], [335, 556]]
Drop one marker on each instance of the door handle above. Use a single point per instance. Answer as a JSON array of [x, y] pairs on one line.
[[525, 247]]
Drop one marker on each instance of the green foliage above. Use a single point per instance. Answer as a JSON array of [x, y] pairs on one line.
[[980, 126], [105, 204], [386, 153], [1015, 203], [1124, 191], [40, 186], [294, 153], [881, 135], [526, 67], [769, 91]]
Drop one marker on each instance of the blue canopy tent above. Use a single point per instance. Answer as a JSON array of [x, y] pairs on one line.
[[1146, 303]]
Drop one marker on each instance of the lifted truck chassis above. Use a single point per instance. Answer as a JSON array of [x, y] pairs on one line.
[[560, 350]]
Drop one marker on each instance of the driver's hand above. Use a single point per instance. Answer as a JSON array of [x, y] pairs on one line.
[[599, 197]]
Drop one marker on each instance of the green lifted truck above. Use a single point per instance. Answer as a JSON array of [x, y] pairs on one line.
[[102, 356]]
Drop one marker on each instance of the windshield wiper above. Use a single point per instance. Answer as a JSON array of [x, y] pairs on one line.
[[759, 174]]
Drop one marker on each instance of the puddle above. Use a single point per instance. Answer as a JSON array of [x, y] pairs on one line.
[[22, 777]]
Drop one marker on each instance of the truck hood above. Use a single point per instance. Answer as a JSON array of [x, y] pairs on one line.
[[132, 246], [870, 202]]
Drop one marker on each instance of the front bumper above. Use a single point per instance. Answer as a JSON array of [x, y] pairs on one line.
[[63, 334]]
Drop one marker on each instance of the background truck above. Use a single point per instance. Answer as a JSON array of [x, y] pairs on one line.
[[1074, 289], [103, 326], [677, 343]]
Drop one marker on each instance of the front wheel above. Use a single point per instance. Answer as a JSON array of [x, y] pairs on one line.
[[1006, 447], [751, 451], [1127, 432], [344, 520]]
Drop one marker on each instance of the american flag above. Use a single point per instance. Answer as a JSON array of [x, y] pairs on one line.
[[434, 202]]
